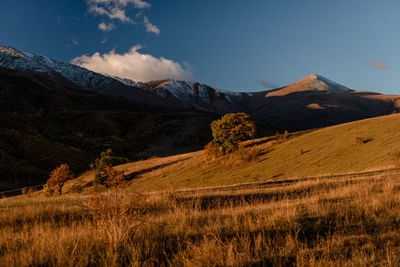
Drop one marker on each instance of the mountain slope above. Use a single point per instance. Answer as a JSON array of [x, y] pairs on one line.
[[366, 145], [46, 122], [312, 102]]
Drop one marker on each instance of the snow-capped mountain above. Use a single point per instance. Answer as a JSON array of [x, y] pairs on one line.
[[192, 92], [14, 59], [188, 93], [313, 101]]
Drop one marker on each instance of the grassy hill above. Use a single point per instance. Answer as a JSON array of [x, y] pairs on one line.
[[332, 221], [364, 145]]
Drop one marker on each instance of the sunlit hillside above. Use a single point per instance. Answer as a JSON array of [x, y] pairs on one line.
[[360, 146]]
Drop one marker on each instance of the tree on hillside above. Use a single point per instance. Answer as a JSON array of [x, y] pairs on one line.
[[232, 129], [58, 177], [101, 165]]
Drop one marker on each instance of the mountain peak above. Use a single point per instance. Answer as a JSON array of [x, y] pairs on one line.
[[313, 82], [314, 76], [11, 51]]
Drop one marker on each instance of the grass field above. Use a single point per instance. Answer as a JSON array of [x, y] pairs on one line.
[[181, 211], [365, 145], [352, 222]]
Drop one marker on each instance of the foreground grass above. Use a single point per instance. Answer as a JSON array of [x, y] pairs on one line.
[[321, 222]]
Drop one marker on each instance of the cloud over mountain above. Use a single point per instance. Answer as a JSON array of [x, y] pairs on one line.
[[135, 65]]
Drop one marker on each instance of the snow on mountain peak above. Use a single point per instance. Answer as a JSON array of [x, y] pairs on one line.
[[11, 51]]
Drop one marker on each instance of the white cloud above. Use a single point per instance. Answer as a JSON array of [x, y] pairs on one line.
[[116, 10], [135, 66], [106, 27], [111, 13], [379, 65], [136, 3], [150, 27]]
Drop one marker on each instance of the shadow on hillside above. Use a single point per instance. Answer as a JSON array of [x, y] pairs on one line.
[[221, 200], [260, 142], [133, 175], [263, 153]]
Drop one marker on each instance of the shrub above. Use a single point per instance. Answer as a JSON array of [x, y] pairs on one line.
[[58, 177], [213, 151], [361, 140], [47, 191], [30, 191], [281, 138], [76, 188], [115, 178], [24, 190], [231, 129], [248, 154]]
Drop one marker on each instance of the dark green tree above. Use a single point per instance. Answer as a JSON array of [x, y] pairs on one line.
[[100, 166], [232, 129]]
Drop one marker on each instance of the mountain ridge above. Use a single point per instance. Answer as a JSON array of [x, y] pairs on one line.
[[311, 102]]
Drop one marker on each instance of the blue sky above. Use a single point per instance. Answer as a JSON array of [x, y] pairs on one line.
[[229, 44]]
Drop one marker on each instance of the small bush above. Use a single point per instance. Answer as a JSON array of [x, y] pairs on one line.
[[115, 178], [248, 154], [361, 140], [30, 191], [47, 191], [59, 177], [281, 138], [24, 190], [116, 207], [213, 151], [76, 188]]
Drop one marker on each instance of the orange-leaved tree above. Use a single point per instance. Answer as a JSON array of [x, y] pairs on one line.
[[59, 176]]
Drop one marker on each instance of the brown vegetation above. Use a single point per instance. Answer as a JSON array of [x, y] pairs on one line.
[[59, 177], [334, 221], [281, 138]]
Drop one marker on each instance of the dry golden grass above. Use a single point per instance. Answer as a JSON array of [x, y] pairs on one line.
[[331, 150], [333, 222]]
